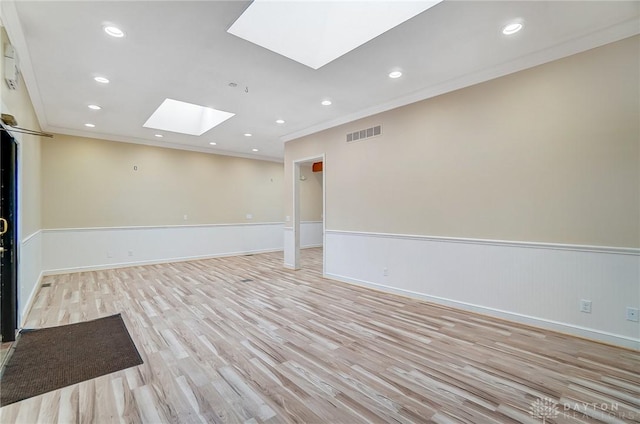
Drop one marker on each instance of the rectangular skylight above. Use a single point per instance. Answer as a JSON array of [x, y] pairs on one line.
[[316, 32], [185, 118]]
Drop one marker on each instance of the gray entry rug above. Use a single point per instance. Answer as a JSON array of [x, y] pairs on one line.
[[51, 358]]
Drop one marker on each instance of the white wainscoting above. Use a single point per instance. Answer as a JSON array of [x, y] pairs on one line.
[[29, 272], [289, 248], [533, 283], [310, 234], [68, 250]]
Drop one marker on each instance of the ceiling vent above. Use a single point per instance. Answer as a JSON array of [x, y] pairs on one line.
[[363, 134]]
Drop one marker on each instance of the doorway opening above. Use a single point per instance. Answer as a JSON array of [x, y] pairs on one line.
[[8, 237], [309, 207]]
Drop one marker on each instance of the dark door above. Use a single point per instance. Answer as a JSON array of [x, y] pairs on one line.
[[8, 231]]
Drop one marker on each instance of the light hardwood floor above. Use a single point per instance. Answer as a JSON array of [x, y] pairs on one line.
[[242, 340]]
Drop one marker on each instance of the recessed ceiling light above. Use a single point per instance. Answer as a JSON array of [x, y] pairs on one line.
[[299, 29], [512, 28], [185, 118], [94, 107], [89, 125], [159, 135], [114, 31], [213, 143], [248, 135], [395, 74], [102, 80], [326, 102], [280, 121], [254, 150]]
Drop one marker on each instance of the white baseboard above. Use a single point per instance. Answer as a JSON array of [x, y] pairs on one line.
[[533, 283]]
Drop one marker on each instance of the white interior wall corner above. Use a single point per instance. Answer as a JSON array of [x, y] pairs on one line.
[[29, 273]]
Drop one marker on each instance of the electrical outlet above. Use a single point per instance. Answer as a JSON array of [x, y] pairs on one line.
[[130, 252], [385, 272], [109, 254], [585, 306], [632, 314]]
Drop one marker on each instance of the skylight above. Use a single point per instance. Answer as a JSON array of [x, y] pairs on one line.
[[315, 33], [185, 118]]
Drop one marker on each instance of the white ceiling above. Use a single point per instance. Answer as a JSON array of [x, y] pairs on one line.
[[181, 50]]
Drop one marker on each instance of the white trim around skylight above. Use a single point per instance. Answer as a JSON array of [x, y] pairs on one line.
[[315, 33], [185, 118]]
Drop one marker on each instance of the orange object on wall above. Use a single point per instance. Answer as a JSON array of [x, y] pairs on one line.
[[316, 167]]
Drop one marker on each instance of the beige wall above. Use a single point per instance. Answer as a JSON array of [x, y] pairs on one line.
[[550, 154], [310, 194], [92, 183], [18, 104]]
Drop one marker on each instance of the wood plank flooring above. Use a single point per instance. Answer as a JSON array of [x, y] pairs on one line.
[[242, 340]]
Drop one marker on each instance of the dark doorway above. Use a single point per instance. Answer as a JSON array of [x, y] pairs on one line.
[[8, 237]]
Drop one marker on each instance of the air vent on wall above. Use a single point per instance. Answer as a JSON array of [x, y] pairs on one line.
[[10, 67], [362, 134]]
